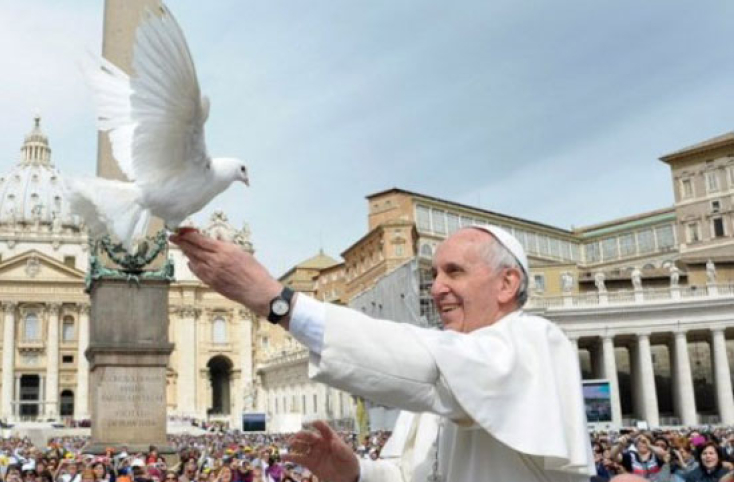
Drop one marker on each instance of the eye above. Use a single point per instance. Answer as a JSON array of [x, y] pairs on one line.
[[242, 169]]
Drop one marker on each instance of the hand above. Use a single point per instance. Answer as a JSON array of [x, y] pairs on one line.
[[228, 269], [324, 454]]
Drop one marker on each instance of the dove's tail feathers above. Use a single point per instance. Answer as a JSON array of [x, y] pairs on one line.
[[109, 206], [112, 91], [141, 227]]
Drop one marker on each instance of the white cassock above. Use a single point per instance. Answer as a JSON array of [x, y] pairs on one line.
[[506, 398]]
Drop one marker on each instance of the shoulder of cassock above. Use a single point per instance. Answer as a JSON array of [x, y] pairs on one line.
[[519, 379]]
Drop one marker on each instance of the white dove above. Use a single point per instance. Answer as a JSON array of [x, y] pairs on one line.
[[155, 121]]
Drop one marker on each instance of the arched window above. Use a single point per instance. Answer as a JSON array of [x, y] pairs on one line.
[[426, 251], [219, 331], [67, 330], [32, 328]]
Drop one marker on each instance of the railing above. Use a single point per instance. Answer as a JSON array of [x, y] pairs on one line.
[[631, 297]]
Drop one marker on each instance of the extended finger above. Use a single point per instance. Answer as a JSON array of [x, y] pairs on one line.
[[195, 239], [326, 433]]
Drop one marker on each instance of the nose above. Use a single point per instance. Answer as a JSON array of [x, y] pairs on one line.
[[438, 287]]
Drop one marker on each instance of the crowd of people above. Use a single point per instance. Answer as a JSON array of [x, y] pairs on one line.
[[219, 456], [691, 455]]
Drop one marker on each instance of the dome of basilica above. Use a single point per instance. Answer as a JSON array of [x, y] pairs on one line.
[[32, 192]]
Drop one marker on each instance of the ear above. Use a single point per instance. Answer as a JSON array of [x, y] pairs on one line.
[[510, 280]]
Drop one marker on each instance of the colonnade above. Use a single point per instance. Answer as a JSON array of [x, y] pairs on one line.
[[645, 403]]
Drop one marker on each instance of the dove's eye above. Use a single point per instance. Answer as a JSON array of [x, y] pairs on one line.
[[242, 169]]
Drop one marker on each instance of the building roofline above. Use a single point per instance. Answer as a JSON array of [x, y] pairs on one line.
[[584, 230], [473, 208], [701, 147]]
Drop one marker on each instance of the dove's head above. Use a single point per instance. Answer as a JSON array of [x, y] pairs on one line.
[[232, 169]]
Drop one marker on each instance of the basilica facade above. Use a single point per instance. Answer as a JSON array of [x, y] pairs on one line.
[[45, 333]]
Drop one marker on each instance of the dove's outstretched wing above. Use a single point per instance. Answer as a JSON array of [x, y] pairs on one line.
[[155, 118]]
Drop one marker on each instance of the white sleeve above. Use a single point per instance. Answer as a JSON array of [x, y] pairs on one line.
[[379, 471], [307, 323]]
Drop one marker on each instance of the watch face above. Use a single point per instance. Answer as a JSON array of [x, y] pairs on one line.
[[280, 307]]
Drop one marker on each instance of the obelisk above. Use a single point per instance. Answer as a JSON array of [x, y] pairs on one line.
[[128, 343]]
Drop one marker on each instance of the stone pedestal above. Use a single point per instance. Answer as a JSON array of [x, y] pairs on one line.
[[128, 355]]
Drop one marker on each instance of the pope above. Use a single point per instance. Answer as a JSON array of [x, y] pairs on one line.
[[495, 396]]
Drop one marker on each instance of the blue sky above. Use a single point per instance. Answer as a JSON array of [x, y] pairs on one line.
[[552, 111]]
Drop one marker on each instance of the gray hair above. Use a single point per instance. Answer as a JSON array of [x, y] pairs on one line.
[[499, 257]]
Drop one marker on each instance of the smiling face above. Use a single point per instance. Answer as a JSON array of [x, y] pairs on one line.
[[467, 292], [709, 457]]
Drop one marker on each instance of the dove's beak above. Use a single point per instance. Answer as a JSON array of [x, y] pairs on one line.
[[246, 180]]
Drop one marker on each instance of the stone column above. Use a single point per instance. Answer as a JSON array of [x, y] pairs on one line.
[[722, 375], [247, 395], [186, 346], [647, 380], [235, 415], [8, 360], [52, 361], [16, 396], [42, 395], [610, 373], [575, 343], [81, 400], [683, 386]]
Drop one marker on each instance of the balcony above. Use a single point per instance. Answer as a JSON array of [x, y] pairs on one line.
[[631, 297]]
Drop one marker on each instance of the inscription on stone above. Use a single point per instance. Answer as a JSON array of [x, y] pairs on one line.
[[130, 398]]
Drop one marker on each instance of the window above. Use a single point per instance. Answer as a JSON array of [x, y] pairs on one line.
[[452, 220], [67, 403], [423, 216], [438, 219], [219, 331], [277, 405], [67, 330], [543, 245], [718, 225], [715, 206], [686, 188], [731, 176], [70, 261], [555, 248], [665, 236], [315, 403], [303, 404], [692, 233], [592, 253], [32, 328], [609, 249], [539, 280], [67, 359], [426, 251], [627, 245], [532, 242], [399, 250], [712, 181], [575, 252], [646, 241]]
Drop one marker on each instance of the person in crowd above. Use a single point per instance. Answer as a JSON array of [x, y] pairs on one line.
[[480, 285], [710, 464], [646, 461]]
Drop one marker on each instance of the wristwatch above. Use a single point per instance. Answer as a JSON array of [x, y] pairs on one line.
[[280, 306]]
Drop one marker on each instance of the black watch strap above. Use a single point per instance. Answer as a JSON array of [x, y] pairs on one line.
[[285, 295]]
